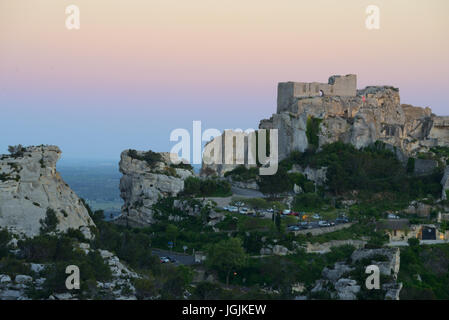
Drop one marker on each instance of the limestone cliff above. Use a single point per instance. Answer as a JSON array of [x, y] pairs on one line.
[[30, 185], [357, 117], [374, 114], [147, 177]]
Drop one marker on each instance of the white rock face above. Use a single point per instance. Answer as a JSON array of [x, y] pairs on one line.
[[143, 185], [29, 185], [445, 183], [318, 176]]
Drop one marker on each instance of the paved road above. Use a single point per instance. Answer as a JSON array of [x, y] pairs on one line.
[[179, 257], [246, 193], [405, 243], [236, 192]]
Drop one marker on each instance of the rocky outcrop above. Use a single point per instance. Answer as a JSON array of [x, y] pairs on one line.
[[369, 115], [118, 287], [30, 186], [375, 113], [338, 282], [144, 183], [419, 208], [318, 176], [389, 266], [445, 183]]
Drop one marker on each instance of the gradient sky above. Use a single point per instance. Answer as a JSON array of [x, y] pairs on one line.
[[137, 69]]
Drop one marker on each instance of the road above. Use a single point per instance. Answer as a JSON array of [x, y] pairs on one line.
[[179, 257], [246, 193], [405, 243], [238, 193]]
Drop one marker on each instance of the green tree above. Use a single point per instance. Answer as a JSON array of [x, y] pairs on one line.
[[172, 232], [277, 221], [226, 256], [413, 242]]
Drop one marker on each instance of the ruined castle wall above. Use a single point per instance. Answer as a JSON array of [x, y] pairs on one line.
[[344, 86]]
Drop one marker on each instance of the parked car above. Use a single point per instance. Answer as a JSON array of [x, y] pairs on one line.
[[286, 212], [233, 209], [323, 223], [243, 210], [293, 228], [341, 220], [392, 216], [316, 216], [164, 259]]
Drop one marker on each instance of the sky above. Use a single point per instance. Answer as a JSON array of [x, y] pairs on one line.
[[138, 69]]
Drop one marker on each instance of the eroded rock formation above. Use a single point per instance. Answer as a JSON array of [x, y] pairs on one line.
[[143, 184], [30, 186]]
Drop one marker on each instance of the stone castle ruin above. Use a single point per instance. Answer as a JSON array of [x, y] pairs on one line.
[[343, 86], [355, 116]]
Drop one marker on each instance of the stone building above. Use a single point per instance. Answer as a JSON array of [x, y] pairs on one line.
[[402, 230], [343, 86]]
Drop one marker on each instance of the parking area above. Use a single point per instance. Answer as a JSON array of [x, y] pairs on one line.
[[316, 221]]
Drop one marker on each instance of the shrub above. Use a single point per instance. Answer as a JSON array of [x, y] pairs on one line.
[[50, 222], [16, 151], [307, 201], [312, 130], [242, 173], [150, 157], [194, 186]]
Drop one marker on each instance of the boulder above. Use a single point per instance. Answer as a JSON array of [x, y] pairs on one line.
[[347, 289], [280, 250], [4, 279], [337, 272], [23, 279]]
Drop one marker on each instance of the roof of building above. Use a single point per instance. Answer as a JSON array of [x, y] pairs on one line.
[[397, 224]]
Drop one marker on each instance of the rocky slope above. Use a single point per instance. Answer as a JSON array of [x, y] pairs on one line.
[[144, 183], [30, 186], [342, 283], [119, 287]]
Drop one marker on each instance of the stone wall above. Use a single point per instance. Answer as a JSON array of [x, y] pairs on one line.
[[337, 86], [326, 247], [318, 231]]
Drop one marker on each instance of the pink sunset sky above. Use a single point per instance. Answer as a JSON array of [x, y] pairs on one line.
[[137, 69]]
